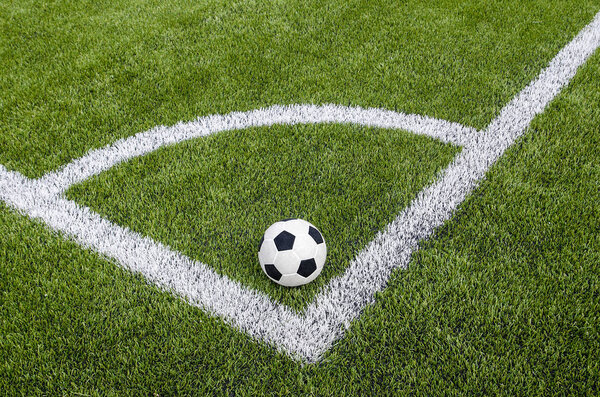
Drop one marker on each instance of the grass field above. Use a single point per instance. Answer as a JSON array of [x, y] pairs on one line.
[[236, 184], [503, 299]]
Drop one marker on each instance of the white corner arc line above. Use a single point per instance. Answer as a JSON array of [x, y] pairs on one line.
[[309, 335], [99, 160]]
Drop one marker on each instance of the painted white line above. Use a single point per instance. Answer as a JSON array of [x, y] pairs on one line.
[[99, 160], [247, 309], [392, 248], [309, 335]]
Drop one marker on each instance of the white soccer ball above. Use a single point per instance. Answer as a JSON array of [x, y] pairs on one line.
[[292, 252]]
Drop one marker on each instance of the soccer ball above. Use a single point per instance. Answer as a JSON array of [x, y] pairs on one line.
[[292, 252]]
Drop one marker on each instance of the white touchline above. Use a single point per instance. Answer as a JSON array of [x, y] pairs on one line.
[[303, 336]]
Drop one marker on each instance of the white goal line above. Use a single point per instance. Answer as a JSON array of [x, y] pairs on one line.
[[306, 336]]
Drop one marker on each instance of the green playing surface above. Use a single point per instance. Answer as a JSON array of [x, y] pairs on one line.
[[504, 299]]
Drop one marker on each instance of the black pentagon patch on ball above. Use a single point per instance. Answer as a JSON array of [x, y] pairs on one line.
[[288, 219], [307, 267], [262, 240], [273, 272], [314, 233], [284, 241]]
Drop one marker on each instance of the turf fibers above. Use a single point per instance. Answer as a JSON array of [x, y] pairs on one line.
[[214, 197], [504, 299]]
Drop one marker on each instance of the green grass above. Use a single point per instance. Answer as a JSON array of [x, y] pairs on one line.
[[503, 300], [213, 198], [76, 75]]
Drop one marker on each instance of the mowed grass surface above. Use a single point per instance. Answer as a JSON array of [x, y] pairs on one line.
[[212, 198], [76, 75], [505, 298]]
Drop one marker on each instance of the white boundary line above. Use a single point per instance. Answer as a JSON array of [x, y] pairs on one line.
[[309, 335]]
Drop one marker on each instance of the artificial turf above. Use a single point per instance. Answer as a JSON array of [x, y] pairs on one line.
[[77, 75], [503, 300], [213, 198]]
